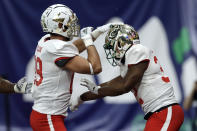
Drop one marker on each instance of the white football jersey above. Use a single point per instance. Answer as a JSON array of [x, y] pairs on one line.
[[52, 86], [155, 90]]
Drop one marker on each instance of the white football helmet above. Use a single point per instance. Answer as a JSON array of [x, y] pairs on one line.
[[60, 19], [118, 40]]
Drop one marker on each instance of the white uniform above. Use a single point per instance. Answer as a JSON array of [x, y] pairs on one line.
[[155, 90], [52, 86]]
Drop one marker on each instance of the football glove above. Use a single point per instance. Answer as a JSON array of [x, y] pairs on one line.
[[85, 34], [22, 86], [90, 85], [101, 29]]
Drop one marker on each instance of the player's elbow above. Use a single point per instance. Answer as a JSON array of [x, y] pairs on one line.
[[97, 69]]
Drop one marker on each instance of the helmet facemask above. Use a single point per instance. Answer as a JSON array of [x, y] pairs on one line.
[[118, 40], [110, 54], [72, 27]]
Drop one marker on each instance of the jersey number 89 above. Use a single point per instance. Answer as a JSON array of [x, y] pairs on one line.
[[38, 71]]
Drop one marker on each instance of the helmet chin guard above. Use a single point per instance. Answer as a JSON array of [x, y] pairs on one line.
[[60, 19], [118, 40]]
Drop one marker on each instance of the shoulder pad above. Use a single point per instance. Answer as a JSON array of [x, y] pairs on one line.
[[136, 54]]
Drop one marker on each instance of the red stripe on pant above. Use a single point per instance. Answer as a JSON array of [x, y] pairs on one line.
[[40, 122], [157, 120]]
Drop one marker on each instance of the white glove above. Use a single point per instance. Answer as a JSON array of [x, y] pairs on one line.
[[22, 86], [74, 104], [101, 29], [86, 36], [90, 85]]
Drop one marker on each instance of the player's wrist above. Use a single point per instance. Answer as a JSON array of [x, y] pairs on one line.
[[96, 89], [87, 40], [96, 33], [86, 36], [99, 30]]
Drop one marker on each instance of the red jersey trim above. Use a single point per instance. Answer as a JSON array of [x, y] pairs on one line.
[[61, 58]]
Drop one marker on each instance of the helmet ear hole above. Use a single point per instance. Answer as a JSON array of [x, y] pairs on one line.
[[65, 28], [60, 25], [119, 45]]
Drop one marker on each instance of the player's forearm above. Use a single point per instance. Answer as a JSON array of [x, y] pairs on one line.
[[114, 87], [80, 45], [6, 86], [111, 90], [102, 92], [188, 101], [94, 59]]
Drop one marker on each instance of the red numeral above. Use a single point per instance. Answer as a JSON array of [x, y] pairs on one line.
[[165, 79], [38, 67], [140, 101]]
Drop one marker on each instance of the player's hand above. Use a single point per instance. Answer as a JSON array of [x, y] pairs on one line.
[[90, 85], [22, 86], [74, 104], [86, 31], [102, 29], [85, 34]]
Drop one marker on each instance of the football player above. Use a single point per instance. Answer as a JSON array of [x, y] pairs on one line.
[[56, 60], [140, 73], [20, 87]]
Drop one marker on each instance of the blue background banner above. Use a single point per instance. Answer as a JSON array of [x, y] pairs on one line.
[[175, 28]]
